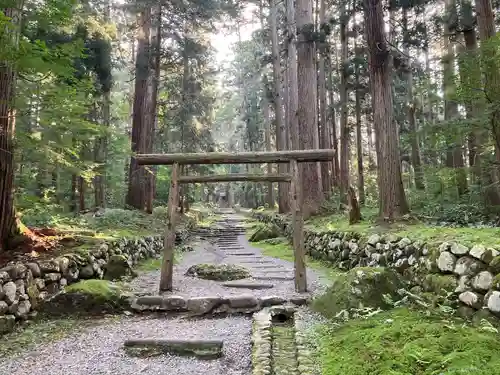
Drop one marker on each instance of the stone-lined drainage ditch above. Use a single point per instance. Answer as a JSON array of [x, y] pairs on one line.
[[279, 347]]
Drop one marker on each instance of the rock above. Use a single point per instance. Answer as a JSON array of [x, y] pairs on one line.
[[13, 308], [463, 284], [53, 288], [477, 251], [493, 302], [404, 242], [173, 303], [459, 249], [471, 299], [20, 287], [40, 284], [446, 262], [52, 277], [495, 265], [243, 302], [218, 272], [63, 282], [3, 307], [4, 277], [63, 264], [118, 267], [392, 238], [247, 285], [359, 287], [35, 269], [10, 292], [264, 233], [23, 309], [48, 266], [445, 246], [206, 349], [15, 271], [268, 301], [203, 305], [402, 264], [7, 323], [466, 312], [482, 281], [87, 272], [468, 266], [373, 240]]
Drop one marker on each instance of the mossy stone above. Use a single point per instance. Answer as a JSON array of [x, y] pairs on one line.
[[218, 272]]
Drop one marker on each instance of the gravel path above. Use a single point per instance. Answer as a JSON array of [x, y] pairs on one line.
[[268, 270], [98, 349]]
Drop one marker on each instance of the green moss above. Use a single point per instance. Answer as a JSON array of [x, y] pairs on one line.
[[414, 230], [359, 287], [285, 251], [404, 342], [439, 284], [149, 265], [103, 289]]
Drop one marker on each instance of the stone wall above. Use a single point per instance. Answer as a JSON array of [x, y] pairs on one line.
[[472, 275], [23, 286]]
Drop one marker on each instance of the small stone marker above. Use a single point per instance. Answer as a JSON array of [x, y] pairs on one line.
[[206, 349]]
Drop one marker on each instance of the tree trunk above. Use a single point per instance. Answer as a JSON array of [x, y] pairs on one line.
[[333, 127], [8, 223], [489, 50], [359, 141], [410, 108], [306, 72], [344, 126], [283, 202], [136, 183], [392, 200], [324, 135], [454, 157], [267, 140], [152, 105], [293, 96]]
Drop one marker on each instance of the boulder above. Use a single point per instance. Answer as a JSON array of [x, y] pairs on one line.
[[471, 299], [118, 267], [218, 272], [359, 287], [477, 252], [87, 272], [373, 240], [15, 271], [458, 249], [264, 233], [35, 269], [10, 292], [468, 266], [482, 281], [446, 261], [47, 266], [493, 302]]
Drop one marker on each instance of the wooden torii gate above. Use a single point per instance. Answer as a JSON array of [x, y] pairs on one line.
[[290, 157]]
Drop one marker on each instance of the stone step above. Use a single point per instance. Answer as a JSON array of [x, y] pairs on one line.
[[207, 349], [244, 303], [247, 285], [272, 277], [239, 254]]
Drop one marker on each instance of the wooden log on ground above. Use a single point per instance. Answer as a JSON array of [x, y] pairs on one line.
[[199, 348], [283, 177], [236, 158], [298, 229], [167, 267]]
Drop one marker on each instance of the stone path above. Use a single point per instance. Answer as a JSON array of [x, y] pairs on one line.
[[99, 350]]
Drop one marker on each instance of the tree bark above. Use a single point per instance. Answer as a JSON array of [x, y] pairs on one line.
[[392, 200], [283, 202], [324, 135], [136, 183], [333, 128], [410, 108], [306, 72], [8, 223], [454, 157], [344, 126], [359, 142], [293, 96], [267, 140]]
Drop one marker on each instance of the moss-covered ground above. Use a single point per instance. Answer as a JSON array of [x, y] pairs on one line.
[[406, 342]]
